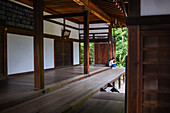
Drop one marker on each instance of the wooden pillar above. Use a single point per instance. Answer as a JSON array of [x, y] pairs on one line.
[[38, 45], [3, 52], [119, 82], [133, 72], [63, 43], [133, 60], [108, 52], [114, 84], [114, 43], [86, 42], [123, 78], [79, 48], [110, 43]]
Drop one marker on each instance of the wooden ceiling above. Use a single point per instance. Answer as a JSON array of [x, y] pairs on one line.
[[100, 10]]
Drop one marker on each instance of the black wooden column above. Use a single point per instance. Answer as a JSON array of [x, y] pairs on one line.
[[3, 52], [38, 45], [86, 42]]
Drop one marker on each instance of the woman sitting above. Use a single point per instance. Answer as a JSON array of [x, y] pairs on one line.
[[112, 63]]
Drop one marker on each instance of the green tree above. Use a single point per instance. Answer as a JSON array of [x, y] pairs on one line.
[[91, 51], [121, 35]]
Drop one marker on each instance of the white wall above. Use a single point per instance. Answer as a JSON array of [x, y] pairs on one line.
[[48, 53], [20, 53], [76, 54], [155, 7], [74, 33], [51, 28]]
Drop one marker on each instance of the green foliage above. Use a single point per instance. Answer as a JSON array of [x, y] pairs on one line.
[[91, 51], [82, 52], [121, 46]]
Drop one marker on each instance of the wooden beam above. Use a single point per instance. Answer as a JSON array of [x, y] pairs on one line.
[[96, 28], [96, 33], [86, 42], [38, 45], [94, 9], [30, 33], [63, 15], [95, 40], [124, 8], [93, 22], [148, 20], [30, 3], [55, 37], [20, 31]]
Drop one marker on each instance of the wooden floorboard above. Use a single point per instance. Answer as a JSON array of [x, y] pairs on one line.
[[110, 96], [103, 102], [101, 106], [67, 97], [19, 88]]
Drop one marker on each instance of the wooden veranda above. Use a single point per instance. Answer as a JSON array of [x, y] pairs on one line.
[[148, 23], [19, 88], [82, 12], [65, 99]]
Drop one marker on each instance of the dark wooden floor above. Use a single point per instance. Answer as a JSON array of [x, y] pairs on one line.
[[67, 97], [20, 88], [103, 102]]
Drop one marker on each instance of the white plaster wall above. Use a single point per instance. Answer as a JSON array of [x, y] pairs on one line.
[[20, 53], [74, 33], [48, 53], [97, 25], [51, 28], [155, 7], [58, 19], [96, 31], [71, 23], [76, 53]]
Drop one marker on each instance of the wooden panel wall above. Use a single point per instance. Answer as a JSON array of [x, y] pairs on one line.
[[101, 52], [63, 53], [58, 53], [155, 68], [68, 53]]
